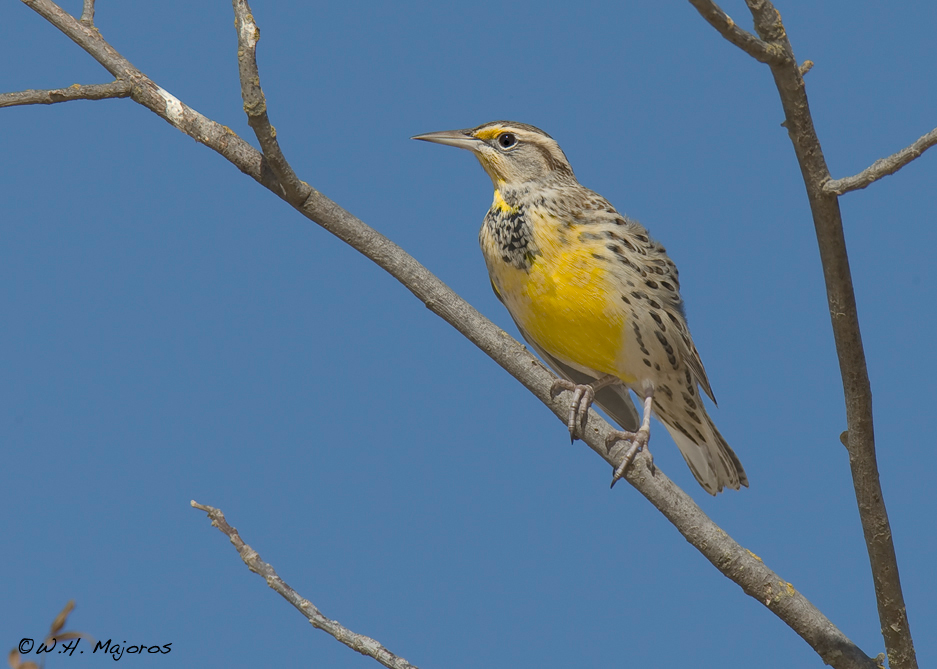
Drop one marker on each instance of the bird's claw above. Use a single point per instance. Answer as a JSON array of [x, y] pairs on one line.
[[639, 441], [583, 395]]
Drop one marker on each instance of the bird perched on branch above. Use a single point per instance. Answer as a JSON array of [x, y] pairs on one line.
[[595, 297]]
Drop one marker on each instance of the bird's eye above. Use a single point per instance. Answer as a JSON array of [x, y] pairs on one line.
[[507, 140]]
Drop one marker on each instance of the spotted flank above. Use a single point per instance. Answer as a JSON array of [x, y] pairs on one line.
[[593, 294]]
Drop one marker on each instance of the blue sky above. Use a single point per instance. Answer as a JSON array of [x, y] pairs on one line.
[[172, 331]]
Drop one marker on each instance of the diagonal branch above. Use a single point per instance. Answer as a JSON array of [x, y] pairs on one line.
[[750, 44], [788, 77], [731, 559], [882, 167], [159, 101], [115, 89], [357, 642]]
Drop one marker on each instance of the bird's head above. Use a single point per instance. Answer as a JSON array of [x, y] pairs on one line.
[[511, 153]]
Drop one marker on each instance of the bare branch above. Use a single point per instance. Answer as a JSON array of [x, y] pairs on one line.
[[357, 642], [115, 89], [161, 102], [788, 77], [882, 167], [255, 105], [87, 14], [735, 562], [718, 19]]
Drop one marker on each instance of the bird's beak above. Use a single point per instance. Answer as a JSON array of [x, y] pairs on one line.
[[461, 139]]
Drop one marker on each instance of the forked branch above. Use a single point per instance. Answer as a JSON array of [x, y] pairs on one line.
[[728, 28], [255, 106], [788, 77]]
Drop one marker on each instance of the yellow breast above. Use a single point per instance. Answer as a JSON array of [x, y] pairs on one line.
[[566, 301]]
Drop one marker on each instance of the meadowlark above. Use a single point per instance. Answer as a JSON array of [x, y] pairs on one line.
[[596, 298]]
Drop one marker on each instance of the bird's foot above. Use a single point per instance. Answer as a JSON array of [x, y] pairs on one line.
[[639, 441], [583, 395]]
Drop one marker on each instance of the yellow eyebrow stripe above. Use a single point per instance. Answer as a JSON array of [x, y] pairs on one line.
[[489, 133]]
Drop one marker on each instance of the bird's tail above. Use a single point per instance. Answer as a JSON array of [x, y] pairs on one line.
[[714, 464]]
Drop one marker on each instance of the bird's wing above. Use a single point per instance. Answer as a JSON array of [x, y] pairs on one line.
[[669, 293], [662, 279]]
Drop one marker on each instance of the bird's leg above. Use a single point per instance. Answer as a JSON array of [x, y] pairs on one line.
[[638, 440], [583, 394]]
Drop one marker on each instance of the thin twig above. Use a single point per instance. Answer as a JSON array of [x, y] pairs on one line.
[[882, 167], [735, 562], [788, 77], [115, 89], [357, 642], [55, 634], [87, 14], [255, 106], [750, 44]]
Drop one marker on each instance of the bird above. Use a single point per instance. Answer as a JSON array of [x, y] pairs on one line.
[[595, 297]]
